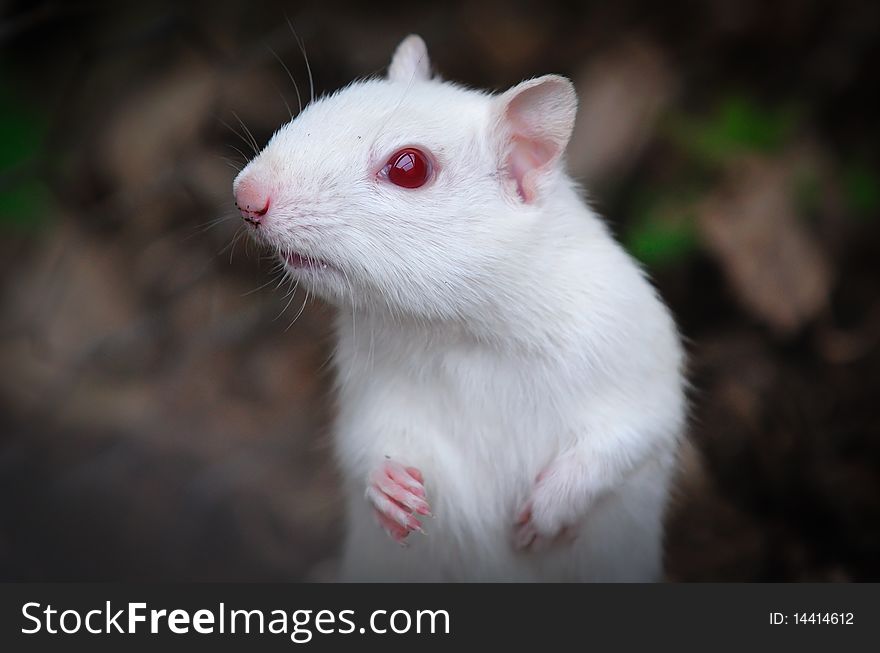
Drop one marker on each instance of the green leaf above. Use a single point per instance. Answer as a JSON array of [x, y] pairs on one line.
[[22, 131], [862, 189], [25, 201], [25, 206], [664, 230], [737, 125]]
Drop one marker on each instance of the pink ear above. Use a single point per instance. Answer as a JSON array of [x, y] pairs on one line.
[[535, 120]]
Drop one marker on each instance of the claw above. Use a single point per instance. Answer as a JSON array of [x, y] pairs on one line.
[[404, 496], [406, 478], [397, 496], [524, 537]]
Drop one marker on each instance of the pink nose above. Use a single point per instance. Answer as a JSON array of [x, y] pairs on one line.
[[253, 201]]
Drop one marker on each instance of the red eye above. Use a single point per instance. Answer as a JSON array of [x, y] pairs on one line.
[[408, 168]]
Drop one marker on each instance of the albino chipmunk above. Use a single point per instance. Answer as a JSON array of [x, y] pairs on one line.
[[509, 384]]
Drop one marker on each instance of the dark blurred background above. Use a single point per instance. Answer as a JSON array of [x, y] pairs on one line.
[[161, 421]]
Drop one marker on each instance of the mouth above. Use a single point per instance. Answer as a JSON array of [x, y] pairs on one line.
[[297, 261]]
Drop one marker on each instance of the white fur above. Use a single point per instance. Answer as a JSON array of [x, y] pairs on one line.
[[480, 338], [410, 61]]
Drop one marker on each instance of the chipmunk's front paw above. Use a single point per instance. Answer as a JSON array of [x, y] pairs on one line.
[[555, 508], [397, 494]]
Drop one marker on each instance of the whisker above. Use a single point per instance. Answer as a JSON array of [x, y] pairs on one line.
[[283, 99], [301, 309], [213, 223], [258, 288], [248, 132], [305, 57], [231, 246], [353, 314], [232, 164], [244, 156], [400, 102], [283, 277], [206, 226], [293, 81], [292, 293], [237, 133]]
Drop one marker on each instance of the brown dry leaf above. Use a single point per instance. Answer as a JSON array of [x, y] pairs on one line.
[[72, 297], [776, 268], [621, 95]]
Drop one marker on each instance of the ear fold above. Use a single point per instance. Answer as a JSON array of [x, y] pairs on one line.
[[410, 61], [534, 121]]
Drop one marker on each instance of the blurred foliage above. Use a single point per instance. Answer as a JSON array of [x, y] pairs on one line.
[[25, 200], [807, 190], [738, 125], [861, 185], [663, 229]]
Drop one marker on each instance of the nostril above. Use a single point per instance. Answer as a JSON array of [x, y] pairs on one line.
[[252, 205], [252, 197], [263, 211], [250, 213]]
